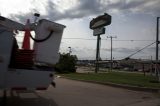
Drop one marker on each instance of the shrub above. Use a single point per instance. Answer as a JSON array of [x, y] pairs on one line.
[[66, 63]]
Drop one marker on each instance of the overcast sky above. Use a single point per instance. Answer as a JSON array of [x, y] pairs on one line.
[[133, 23]]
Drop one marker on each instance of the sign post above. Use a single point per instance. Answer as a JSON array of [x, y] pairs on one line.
[[97, 53], [97, 25]]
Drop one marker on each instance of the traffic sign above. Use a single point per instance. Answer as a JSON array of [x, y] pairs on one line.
[[100, 21]]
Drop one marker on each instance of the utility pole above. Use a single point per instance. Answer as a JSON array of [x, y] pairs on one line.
[[157, 38], [157, 43], [111, 37]]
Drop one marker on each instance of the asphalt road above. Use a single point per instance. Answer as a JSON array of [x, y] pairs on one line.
[[76, 93]]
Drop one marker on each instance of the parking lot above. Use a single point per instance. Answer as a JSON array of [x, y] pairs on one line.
[[76, 93]]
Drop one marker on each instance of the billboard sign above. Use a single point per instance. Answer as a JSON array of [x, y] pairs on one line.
[[99, 31], [100, 21]]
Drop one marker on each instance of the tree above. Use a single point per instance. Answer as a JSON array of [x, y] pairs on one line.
[[66, 64]]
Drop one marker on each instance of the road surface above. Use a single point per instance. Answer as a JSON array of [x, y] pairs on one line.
[[76, 93]]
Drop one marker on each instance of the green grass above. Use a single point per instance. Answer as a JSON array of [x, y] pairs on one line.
[[133, 79]]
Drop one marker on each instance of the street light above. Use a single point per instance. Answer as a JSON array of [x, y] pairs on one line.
[[70, 50]]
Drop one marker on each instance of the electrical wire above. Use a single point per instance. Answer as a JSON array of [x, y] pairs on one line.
[[79, 38], [106, 39], [103, 39], [139, 51]]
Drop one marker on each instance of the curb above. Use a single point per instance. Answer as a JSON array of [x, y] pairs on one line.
[[135, 88]]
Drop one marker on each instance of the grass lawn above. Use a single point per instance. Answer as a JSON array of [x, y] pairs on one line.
[[133, 79]]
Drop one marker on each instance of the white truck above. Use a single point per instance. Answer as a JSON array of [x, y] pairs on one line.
[[37, 73]]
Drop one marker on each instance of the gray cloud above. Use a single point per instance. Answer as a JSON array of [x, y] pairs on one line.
[[126, 5], [21, 17], [92, 7], [51, 9], [124, 50]]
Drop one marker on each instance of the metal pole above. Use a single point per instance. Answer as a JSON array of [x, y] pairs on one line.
[[111, 54], [97, 54], [157, 43], [157, 38]]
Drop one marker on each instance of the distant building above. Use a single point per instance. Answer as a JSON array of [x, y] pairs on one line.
[[124, 64]]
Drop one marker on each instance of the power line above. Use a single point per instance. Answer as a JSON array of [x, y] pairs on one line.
[[139, 50], [80, 39], [132, 40], [106, 39]]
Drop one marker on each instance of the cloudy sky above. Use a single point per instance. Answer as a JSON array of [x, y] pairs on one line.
[[133, 23]]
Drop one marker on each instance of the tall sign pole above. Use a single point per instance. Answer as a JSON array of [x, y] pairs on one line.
[[97, 25], [97, 53]]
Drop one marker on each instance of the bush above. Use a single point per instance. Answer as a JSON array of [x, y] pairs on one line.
[[66, 63]]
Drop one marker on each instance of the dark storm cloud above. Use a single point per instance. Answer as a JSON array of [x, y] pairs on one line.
[[51, 9], [82, 9], [85, 8]]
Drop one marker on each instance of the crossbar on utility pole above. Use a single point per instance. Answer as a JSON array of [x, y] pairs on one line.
[[111, 37]]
